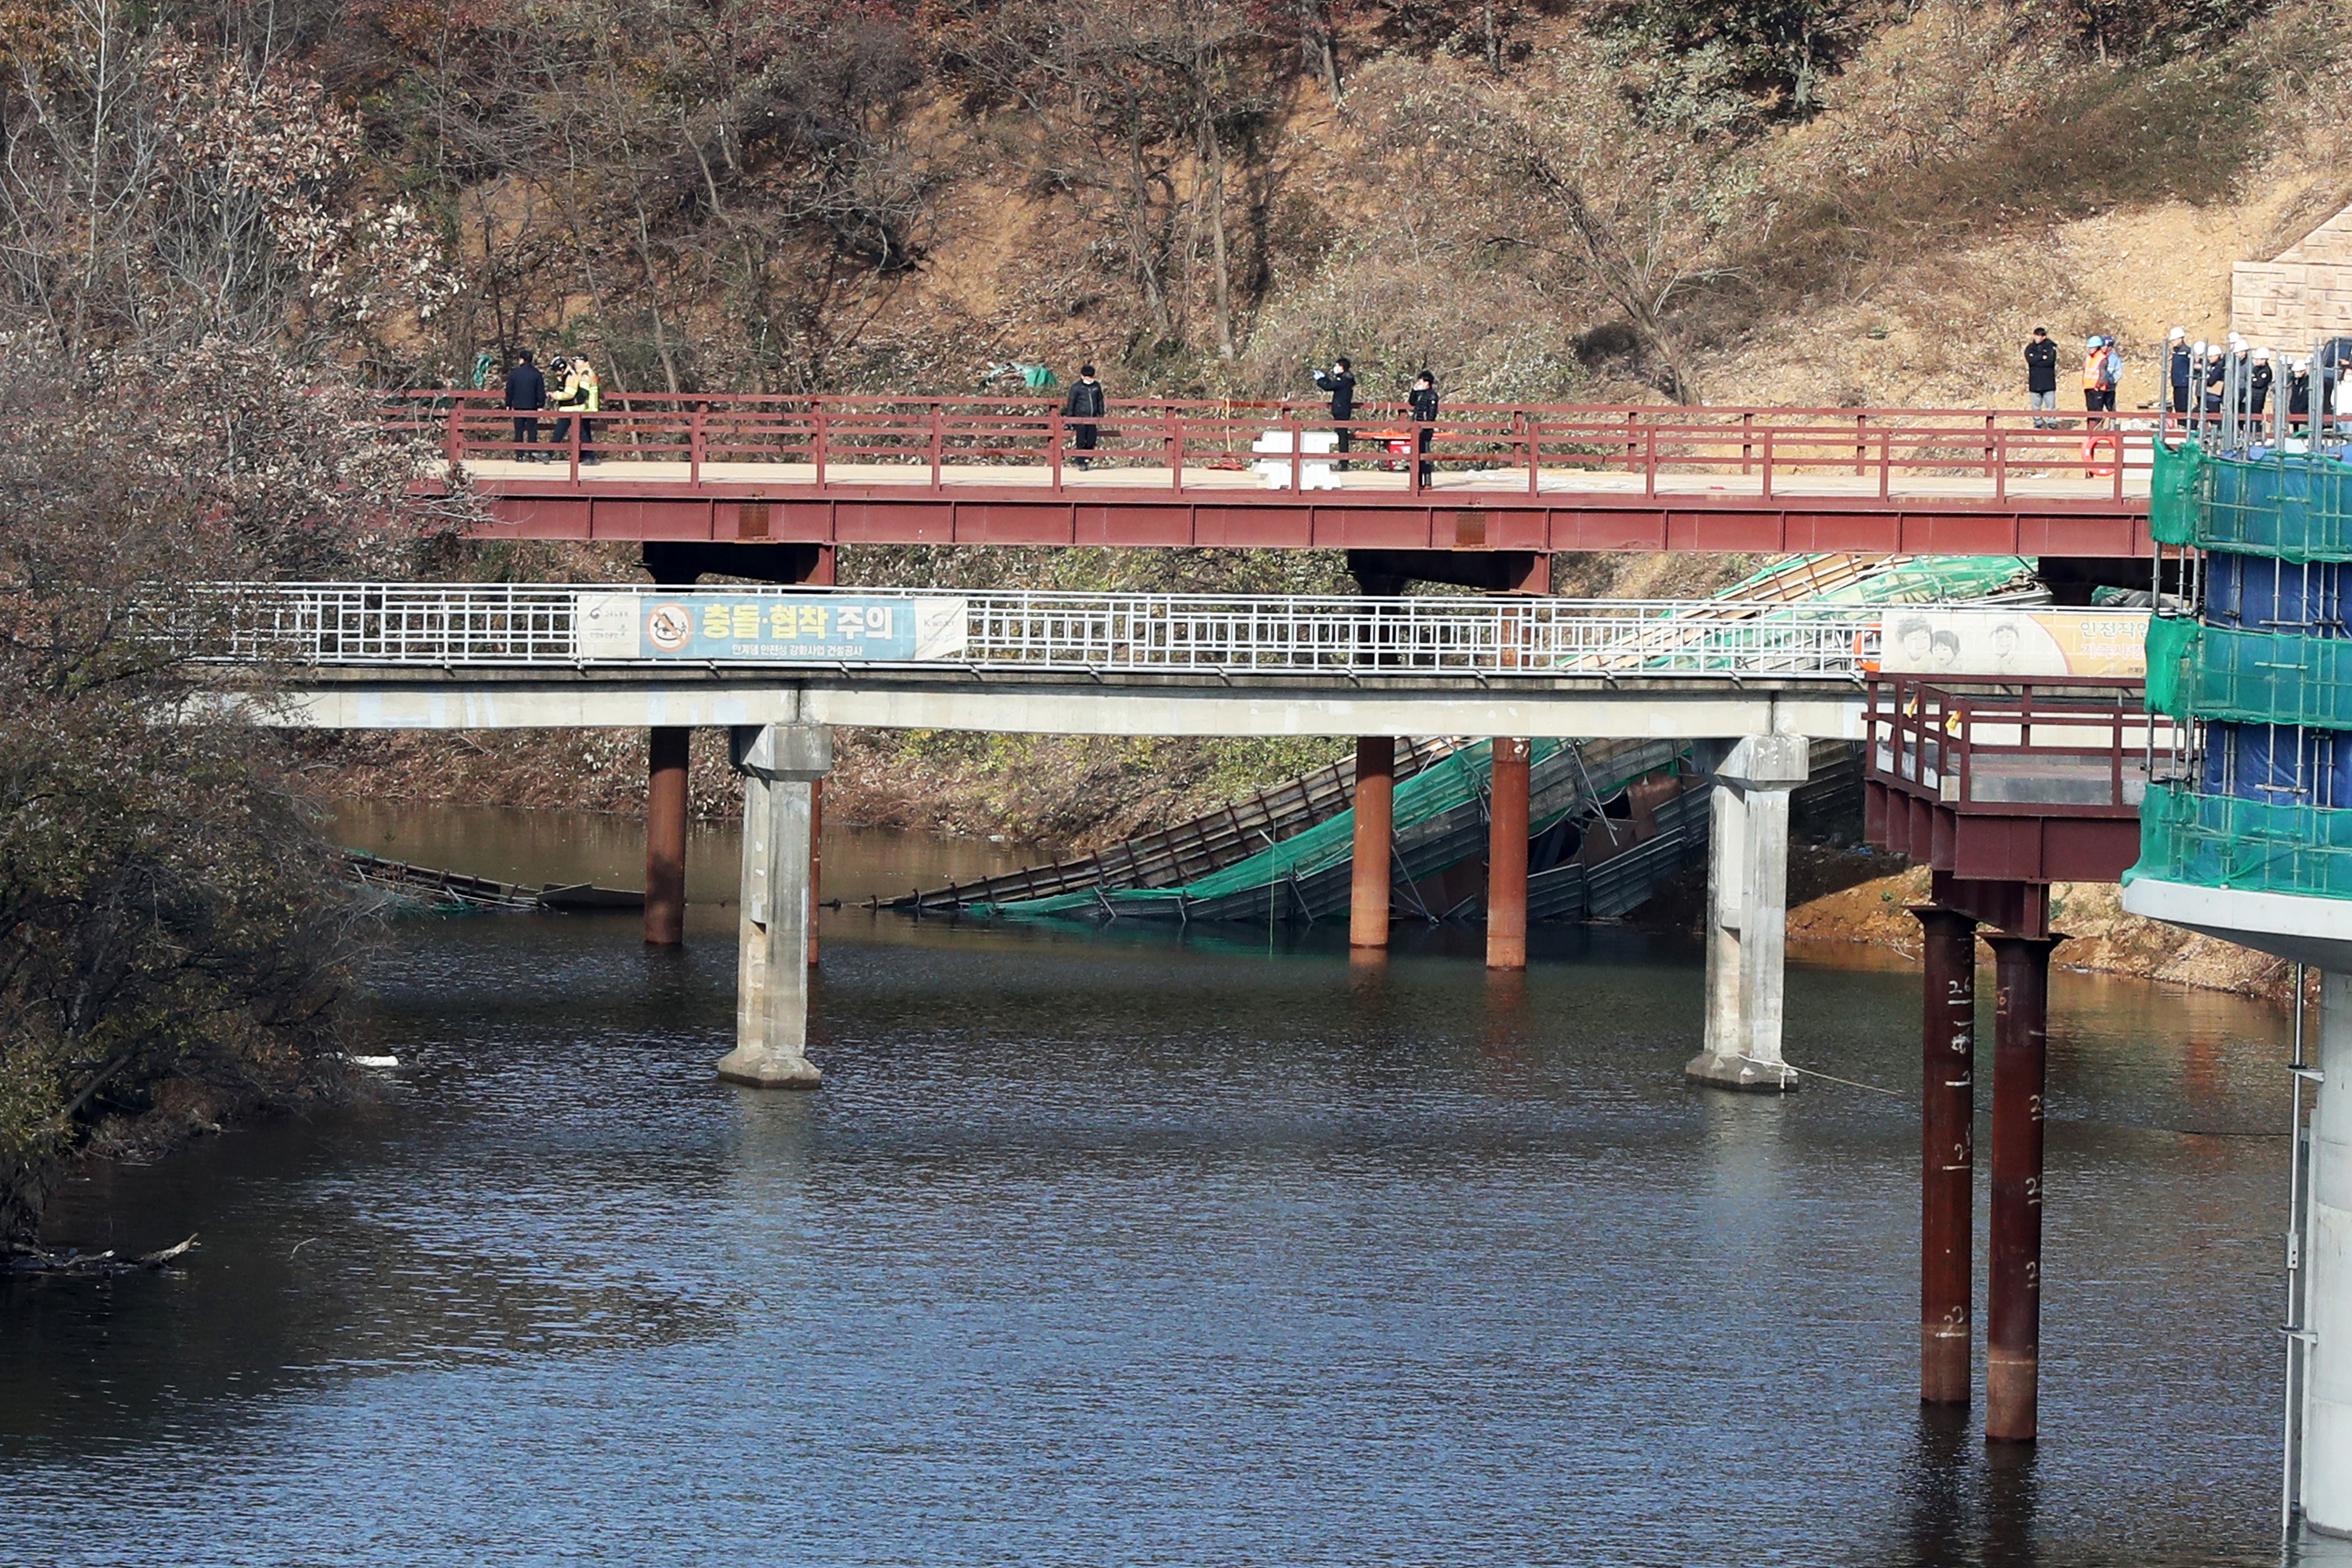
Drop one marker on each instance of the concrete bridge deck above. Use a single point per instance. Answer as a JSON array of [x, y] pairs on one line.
[[423, 655]]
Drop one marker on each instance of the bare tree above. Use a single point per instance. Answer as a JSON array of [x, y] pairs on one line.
[[1612, 215]]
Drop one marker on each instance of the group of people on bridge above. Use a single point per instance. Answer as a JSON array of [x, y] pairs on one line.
[[2203, 380], [578, 394]]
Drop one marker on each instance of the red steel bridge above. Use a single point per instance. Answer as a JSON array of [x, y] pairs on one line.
[[1509, 484]]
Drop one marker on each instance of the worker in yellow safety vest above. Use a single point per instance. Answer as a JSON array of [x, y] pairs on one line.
[[581, 394]]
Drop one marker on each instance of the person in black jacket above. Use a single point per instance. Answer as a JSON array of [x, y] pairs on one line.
[[1084, 405], [526, 389], [2179, 362], [1424, 403], [1339, 380], [2259, 379], [2041, 375]]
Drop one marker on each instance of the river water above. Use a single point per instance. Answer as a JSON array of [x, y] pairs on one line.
[[1113, 1246]]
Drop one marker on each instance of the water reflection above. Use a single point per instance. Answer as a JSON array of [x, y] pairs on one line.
[[1125, 1246]]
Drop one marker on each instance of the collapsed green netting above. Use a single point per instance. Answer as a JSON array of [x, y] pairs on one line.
[[2222, 841], [2248, 677], [1461, 776], [1453, 781], [2292, 506], [1921, 579]]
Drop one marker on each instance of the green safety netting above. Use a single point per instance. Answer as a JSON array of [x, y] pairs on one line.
[[2293, 505], [2222, 841], [2262, 677], [1923, 579], [2171, 645], [1456, 779], [1461, 776], [2172, 492]]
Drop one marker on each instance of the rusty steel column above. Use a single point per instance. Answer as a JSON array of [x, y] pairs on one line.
[[816, 859], [666, 759], [1507, 859], [1368, 902], [1948, 1055], [2013, 1295]]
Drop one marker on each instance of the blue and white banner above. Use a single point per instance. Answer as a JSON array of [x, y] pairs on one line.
[[766, 628]]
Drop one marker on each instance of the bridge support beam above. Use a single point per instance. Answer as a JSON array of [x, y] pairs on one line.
[[665, 821], [1748, 914], [2324, 1486], [1947, 1054], [1506, 858], [1368, 877], [781, 765], [2013, 1291]]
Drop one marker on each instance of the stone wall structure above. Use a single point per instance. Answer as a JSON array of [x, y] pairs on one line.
[[2303, 295]]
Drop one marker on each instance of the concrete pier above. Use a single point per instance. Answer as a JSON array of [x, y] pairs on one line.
[[781, 765], [2324, 1486], [1947, 1046], [2013, 1289], [1375, 807], [666, 812], [816, 861], [1748, 914], [1506, 858]]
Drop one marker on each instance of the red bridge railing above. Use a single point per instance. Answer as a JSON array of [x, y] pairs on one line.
[[2066, 746], [1170, 445]]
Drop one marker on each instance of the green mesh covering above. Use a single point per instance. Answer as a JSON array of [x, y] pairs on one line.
[[2221, 841], [2265, 677], [2171, 644], [1461, 776], [2292, 506], [1454, 780], [1921, 579], [2172, 492]]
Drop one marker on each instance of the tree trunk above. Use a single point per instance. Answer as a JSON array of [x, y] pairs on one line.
[[1213, 153]]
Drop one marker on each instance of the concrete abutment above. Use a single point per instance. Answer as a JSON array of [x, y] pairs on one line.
[[2325, 1485]]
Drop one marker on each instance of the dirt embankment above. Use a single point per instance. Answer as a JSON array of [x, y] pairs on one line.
[[2101, 937], [1060, 792]]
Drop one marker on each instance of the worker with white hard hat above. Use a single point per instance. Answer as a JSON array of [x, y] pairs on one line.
[[2259, 376], [2298, 390]]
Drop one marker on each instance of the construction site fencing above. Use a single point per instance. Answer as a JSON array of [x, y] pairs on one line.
[[450, 626]]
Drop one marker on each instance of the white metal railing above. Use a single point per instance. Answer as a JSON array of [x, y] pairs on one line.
[[501, 625]]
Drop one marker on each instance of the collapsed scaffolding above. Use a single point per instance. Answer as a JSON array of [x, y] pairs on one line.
[[1609, 821]]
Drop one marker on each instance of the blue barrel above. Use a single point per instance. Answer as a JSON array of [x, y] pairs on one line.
[[2256, 593], [2280, 763]]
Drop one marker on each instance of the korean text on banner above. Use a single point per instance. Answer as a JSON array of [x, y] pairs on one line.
[[769, 628]]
